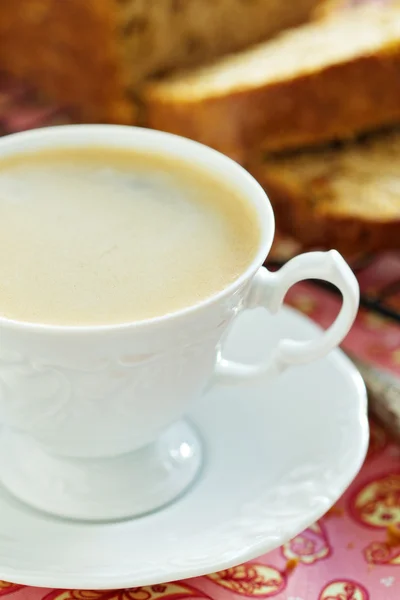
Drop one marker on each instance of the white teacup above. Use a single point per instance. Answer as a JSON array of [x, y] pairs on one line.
[[93, 416]]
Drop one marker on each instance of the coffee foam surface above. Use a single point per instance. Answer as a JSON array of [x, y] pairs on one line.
[[102, 236]]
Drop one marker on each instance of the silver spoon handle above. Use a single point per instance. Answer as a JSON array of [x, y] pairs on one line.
[[384, 395]]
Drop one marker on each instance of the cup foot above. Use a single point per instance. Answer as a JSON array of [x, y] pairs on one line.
[[101, 489]]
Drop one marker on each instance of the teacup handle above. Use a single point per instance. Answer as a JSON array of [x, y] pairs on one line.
[[269, 289]]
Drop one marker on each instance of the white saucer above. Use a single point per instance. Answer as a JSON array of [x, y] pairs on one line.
[[277, 457]]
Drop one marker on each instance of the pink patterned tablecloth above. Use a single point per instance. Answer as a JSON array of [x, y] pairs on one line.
[[346, 555]]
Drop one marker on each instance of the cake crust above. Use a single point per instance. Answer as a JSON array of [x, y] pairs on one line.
[[67, 50]]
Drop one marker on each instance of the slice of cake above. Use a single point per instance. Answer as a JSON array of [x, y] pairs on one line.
[[326, 80], [91, 54], [346, 197]]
